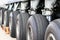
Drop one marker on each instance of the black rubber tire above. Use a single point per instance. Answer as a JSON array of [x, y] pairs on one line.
[[53, 28], [21, 26], [12, 23], [6, 18], [2, 11], [1, 16], [38, 25]]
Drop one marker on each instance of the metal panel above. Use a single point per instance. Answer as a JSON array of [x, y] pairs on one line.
[[24, 5], [49, 3], [34, 4]]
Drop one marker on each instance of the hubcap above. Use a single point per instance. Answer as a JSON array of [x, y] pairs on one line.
[[51, 37], [29, 33]]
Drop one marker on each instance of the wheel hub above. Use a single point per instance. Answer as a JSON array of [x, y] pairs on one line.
[[29, 33], [51, 37]]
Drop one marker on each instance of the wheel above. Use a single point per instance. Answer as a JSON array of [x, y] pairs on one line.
[[1, 16], [5, 15], [2, 11], [21, 26], [12, 23], [36, 27], [6, 18], [53, 30]]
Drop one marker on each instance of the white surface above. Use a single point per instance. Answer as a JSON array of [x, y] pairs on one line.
[[2, 2], [4, 36], [9, 1]]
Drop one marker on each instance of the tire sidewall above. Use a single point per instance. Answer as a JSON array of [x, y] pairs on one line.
[[54, 29], [10, 20], [33, 24]]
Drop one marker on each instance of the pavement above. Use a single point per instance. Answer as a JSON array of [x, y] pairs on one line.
[[4, 36]]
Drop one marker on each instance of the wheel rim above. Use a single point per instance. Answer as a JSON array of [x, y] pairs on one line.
[[51, 37], [29, 33]]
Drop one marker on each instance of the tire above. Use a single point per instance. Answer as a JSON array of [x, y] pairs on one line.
[[36, 27], [21, 26], [1, 17], [12, 23], [6, 18], [2, 11], [53, 30]]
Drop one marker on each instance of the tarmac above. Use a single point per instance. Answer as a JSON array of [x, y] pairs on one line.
[[4, 36]]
